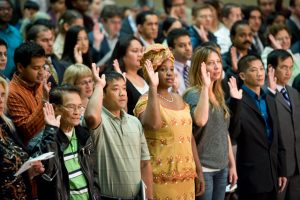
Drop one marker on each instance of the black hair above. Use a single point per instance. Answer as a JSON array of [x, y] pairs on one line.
[[26, 51], [236, 25], [167, 4], [56, 94], [110, 76], [141, 17], [211, 44], [277, 55], [120, 51], [271, 18], [70, 43], [175, 34], [68, 17], [249, 9], [32, 33], [3, 43], [226, 10], [31, 5], [110, 11], [244, 62]]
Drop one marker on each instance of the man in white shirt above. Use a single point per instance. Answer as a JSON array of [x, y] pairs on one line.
[[147, 25]]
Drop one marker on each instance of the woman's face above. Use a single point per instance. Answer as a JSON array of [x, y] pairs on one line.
[[133, 56], [3, 57], [86, 85], [284, 39], [214, 66], [83, 41], [59, 6], [2, 99], [166, 74], [96, 7]]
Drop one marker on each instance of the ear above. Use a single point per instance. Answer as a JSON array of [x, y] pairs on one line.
[[20, 68], [66, 27], [242, 75], [269, 65]]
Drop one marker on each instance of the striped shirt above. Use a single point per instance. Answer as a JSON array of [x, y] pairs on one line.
[[26, 108], [77, 181]]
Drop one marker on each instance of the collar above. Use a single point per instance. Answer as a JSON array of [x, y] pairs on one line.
[[279, 87], [19, 81], [132, 23], [179, 66], [253, 94], [145, 42], [112, 116]]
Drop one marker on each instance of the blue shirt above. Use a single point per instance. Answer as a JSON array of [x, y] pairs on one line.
[[261, 104], [13, 38]]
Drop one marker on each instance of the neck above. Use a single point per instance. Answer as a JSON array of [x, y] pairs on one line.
[[131, 72], [255, 89], [180, 60], [243, 51], [66, 128], [29, 84], [114, 111], [84, 101], [148, 40], [4, 26], [163, 92]]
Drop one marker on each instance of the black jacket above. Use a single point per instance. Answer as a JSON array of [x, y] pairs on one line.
[[54, 183]]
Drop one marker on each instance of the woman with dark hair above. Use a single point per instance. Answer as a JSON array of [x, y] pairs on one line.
[[76, 49], [127, 55], [167, 26], [56, 9]]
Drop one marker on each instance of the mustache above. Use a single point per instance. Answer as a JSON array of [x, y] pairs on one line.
[[247, 42]]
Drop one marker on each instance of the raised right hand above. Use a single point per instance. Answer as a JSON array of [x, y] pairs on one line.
[[153, 76], [98, 81], [50, 115], [78, 54], [205, 75]]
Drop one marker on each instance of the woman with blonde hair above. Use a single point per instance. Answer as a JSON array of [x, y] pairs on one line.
[[210, 122], [12, 156], [81, 76], [168, 129]]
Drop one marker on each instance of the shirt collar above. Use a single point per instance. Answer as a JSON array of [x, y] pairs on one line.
[[253, 94], [25, 84], [179, 66], [123, 113]]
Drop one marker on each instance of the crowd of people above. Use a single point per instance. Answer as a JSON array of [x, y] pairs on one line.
[[187, 102]]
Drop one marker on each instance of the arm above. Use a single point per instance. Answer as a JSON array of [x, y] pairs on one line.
[[232, 167], [200, 114], [146, 173], [151, 118], [92, 113], [200, 184]]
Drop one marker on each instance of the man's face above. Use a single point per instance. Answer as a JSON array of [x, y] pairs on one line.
[[266, 6], [254, 76], [235, 15], [81, 5], [178, 8], [45, 39], [182, 49], [204, 18], [255, 20], [34, 73], [3, 57], [283, 71], [113, 26], [71, 110], [296, 9], [243, 38], [115, 95], [5, 12], [149, 29]]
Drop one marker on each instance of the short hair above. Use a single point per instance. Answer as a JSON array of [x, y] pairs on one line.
[[236, 25], [167, 4], [29, 4], [168, 22], [3, 43], [197, 8], [274, 29], [75, 72], [277, 55], [110, 76], [175, 34], [249, 9], [244, 62], [56, 94], [68, 17], [226, 10], [26, 51], [110, 11], [32, 33], [141, 17], [211, 44]]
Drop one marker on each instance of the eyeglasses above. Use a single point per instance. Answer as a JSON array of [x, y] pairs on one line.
[[72, 108], [82, 83]]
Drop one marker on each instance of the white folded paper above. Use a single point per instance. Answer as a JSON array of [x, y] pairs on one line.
[[29, 162], [230, 189]]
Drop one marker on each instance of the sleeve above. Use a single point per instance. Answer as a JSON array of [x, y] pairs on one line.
[[235, 106], [192, 98], [28, 124], [140, 106], [145, 155]]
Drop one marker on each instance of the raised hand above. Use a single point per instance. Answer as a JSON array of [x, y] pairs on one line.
[[153, 76], [46, 84], [272, 80], [176, 83], [98, 36], [234, 91], [117, 68], [274, 43], [234, 59], [202, 33], [205, 75], [98, 81], [50, 115], [78, 54]]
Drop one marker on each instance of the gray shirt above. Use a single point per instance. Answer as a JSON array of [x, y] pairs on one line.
[[212, 139]]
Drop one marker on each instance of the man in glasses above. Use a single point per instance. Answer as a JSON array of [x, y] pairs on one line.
[[69, 175]]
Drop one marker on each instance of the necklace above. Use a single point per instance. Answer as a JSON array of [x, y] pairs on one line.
[[170, 101]]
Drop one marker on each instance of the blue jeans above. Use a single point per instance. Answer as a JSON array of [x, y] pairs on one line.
[[215, 185]]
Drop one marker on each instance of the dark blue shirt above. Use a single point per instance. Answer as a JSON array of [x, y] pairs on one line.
[[261, 104]]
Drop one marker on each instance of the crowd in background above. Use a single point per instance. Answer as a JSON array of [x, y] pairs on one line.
[[140, 102]]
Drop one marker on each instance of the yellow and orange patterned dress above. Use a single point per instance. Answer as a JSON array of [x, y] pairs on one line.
[[171, 153]]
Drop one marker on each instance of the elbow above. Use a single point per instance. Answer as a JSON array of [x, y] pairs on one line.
[[92, 121], [200, 122], [155, 126]]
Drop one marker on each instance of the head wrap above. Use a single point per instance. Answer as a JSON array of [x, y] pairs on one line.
[[157, 54]]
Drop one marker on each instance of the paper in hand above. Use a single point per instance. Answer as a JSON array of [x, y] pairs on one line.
[[29, 162]]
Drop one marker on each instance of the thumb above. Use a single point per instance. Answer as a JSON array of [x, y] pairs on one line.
[[58, 118]]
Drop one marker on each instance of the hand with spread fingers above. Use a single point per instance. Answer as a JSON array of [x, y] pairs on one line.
[[153, 76], [98, 81], [272, 80], [205, 75], [50, 115], [234, 91]]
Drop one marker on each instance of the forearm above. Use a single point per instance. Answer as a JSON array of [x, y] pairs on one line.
[[151, 117], [202, 108], [231, 157], [92, 113], [147, 177]]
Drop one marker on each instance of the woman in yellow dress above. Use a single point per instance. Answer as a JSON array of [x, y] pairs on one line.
[[168, 129]]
